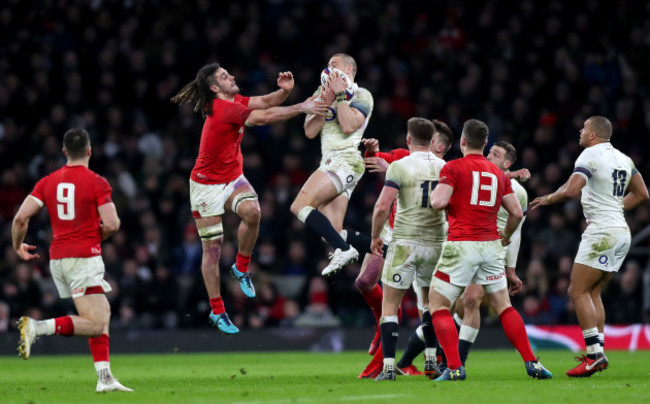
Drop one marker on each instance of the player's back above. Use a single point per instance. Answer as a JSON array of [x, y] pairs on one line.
[[416, 176], [72, 195], [608, 173], [479, 187]]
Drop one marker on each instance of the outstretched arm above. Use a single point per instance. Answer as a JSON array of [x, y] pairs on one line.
[[568, 190], [314, 122], [285, 82], [261, 117], [28, 209]]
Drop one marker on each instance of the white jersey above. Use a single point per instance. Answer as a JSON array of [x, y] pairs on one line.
[[415, 176], [608, 173], [512, 249], [333, 141]]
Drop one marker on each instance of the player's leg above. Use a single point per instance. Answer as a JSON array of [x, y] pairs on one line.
[[514, 328], [334, 211], [244, 203], [389, 329], [585, 280], [600, 309], [441, 297], [471, 303], [431, 369], [93, 321], [415, 345], [367, 283]]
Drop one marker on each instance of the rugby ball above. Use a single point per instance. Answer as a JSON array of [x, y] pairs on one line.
[[325, 75]]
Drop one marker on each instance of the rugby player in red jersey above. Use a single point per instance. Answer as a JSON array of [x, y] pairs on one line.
[[82, 214], [217, 182], [471, 190]]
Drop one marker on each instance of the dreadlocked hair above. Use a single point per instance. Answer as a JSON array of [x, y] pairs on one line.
[[197, 92]]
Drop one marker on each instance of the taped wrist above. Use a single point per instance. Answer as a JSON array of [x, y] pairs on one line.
[[341, 96]]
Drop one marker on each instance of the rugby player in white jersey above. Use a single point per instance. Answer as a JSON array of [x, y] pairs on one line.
[[603, 175], [418, 234], [323, 199]]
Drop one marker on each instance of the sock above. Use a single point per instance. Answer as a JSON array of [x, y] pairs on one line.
[[64, 326], [242, 262], [601, 339], [99, 348], [103, 370], [413, 349], [428, 332], [467, 336], [389, 333], [389, 364], [216, 305], [322, 226], [45, 327], [360, 241], [592, 342], [515, 330], [445, 329], [373, 298]]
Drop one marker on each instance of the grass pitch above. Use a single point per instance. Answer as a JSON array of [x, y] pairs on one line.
[[299, 377]]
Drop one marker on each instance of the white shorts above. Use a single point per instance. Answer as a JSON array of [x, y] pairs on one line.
[[344, 170], [72, 276], [409, 263], [210, 199], [418, 294], [464, 262], [604, 249]]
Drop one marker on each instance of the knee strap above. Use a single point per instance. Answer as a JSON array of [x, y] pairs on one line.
[[239, 198], [211, 232]]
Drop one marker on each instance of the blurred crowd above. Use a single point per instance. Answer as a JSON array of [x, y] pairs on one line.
[[534, 71]]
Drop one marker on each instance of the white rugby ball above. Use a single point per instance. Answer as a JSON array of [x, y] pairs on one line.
[[325, 75]]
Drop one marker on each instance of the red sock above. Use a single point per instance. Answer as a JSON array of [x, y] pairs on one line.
[[99, 348], [64, 326], [443, 324], [373, 298], [217, 305], [242, 262], [515, 330]]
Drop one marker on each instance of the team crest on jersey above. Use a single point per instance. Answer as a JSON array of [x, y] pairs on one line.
[[241, 130]]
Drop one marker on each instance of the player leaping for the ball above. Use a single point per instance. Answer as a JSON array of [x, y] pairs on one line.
[[323, 199], [217, 182]]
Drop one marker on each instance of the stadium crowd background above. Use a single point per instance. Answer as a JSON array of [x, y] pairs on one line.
[[532, 70]]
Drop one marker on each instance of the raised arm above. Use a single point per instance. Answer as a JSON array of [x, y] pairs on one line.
[[314, 122], [28, 209], [285, 82], [350, 119], [637, 192]]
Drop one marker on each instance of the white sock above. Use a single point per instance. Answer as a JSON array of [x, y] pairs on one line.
[[601, 338], [103, 370], [593, 348], [389, 363], [45, 327], [419, 333], [468, 333], [430, 354]]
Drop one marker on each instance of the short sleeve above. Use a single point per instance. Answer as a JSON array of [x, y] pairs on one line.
[[37, 192], [242, 99], [363, 103], [232, 113], [103, 192], [393, 179], [585, 165], [447, 175]]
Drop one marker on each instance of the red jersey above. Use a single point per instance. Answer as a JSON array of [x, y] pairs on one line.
[[391, 156], [72, 195], [220, 160], [479, 186]]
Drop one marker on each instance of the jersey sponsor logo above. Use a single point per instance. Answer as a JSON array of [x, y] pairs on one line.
[[77, 291], [95, 250], [495, 277], [397, 278], [349, 179], [201, 176]]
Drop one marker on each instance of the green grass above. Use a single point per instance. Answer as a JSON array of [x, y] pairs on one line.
[[493, 377]]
